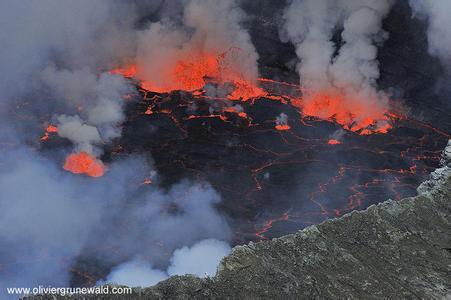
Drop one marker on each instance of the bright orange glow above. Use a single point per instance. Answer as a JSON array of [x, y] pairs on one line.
[[333, 142], [48, 130], [234, 110], [52, 128], [84, 163], [148, 111], [283, 127], [45, 137], [191, 74], [353, 114], [245, 90], [193, 71], [127, 72]]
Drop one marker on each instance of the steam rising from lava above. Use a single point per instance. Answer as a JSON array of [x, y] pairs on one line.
[[99, 102], [340, 83], [83, 163], [210, 45]]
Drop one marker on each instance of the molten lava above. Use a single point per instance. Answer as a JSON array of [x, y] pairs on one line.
[[147, 181], [193, 71], [333, 142], [52, 128], [282, 127], [356, 115], [48, 130], [128, 72], [84, 163]]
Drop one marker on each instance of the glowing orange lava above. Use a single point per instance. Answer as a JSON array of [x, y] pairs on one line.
[[127, 72], [52, 128], [84, 163], [245, 90], [333, 142], [234, 110], [147, 181], [283, 127], [353, 114], [193, 71], [48, 130], [148, 111]]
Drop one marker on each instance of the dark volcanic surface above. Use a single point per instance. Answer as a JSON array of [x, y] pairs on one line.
[[395, 249]]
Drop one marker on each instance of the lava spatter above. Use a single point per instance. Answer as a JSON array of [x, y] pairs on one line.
[[84, 163]]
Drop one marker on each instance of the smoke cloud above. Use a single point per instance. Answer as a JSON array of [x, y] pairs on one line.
[[208, 39], [282, 119], [48, 218], [98, 99], [346, 74], [202, 259], [439, 29], [135, 273]]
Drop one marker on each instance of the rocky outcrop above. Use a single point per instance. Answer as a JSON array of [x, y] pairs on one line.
[[390, 250]]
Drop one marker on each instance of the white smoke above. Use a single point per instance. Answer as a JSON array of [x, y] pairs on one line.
[[209, 29], [98, 99], [202, 259], [350, 70], [83, 135], [282, 119], [48, 216], [439, 29], [72, 34], [135, 273]]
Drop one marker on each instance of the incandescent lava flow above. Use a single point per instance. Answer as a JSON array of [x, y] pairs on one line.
[[194, 70]]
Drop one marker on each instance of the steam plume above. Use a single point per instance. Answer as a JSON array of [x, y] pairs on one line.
[[99, 100], [201, 260], [439, 30], [186, 52], [339, 83]]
